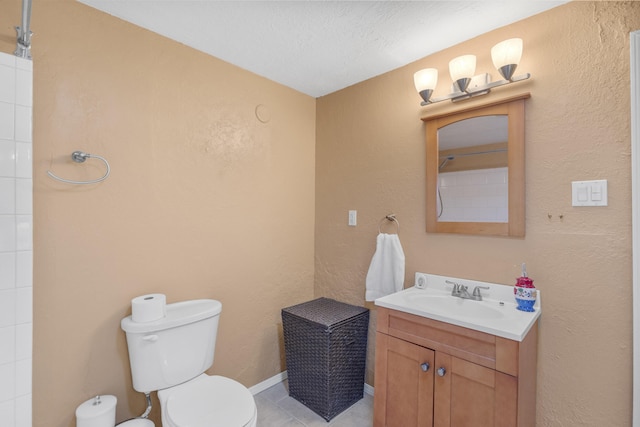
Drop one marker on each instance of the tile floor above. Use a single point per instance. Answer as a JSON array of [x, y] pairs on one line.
[[277, 409]]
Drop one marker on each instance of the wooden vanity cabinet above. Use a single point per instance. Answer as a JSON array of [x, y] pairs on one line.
[[486, 380]]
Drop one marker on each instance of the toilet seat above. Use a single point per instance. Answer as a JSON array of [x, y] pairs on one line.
[[211, 401]]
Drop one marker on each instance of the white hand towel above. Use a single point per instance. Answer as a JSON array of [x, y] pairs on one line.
[[386, 272]]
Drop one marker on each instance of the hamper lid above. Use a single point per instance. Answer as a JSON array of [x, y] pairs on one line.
[[325, 311]]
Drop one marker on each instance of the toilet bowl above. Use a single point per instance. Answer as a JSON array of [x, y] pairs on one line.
[[170, 355], [208, 401]]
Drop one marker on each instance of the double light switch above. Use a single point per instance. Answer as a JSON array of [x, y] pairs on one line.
[[589, 193]]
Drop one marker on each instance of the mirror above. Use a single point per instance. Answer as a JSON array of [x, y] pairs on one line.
[[475, 170]]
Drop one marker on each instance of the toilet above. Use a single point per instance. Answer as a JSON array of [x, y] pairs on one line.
[[170, 356]]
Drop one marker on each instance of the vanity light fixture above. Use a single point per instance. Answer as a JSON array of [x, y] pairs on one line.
[[506, 57]]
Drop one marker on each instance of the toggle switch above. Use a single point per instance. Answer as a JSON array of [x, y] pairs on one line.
[[353, 218]]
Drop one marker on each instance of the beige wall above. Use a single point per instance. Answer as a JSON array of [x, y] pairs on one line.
[[204, 201], [370, 156]]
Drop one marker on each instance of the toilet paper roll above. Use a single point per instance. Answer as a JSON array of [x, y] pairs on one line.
[[97, 412], [147, 308]]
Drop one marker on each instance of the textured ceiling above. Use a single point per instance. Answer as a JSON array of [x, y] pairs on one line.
[[318, 47]]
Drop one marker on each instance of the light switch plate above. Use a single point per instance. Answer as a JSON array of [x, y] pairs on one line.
[[353, 218], [589, 193]]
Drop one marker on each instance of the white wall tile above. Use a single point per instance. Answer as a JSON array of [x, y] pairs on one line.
[[8, 60], [7, 308], [23, 160], [24, 64], [498, 176], [7, 344], [16, 267], [24, 232], [8, 266], [7, 381], [7, 84], [479, 195], [7, 196], [7, 158], [24, 305], [24, 341], [7, 121], [7, 233], [23, 120], [23, 411], [24, 88], [23, 377], [7, 412], [16, 240], [24, 269], [24, 196]]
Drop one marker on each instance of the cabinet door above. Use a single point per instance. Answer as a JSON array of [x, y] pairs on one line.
[[403, 384], [470, 395]]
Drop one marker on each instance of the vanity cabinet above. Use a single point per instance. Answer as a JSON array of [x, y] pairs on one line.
[[431, 373]]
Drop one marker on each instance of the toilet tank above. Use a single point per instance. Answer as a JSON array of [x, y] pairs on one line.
[[167, 352]]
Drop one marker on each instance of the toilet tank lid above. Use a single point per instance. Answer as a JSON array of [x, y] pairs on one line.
[[178, 314]]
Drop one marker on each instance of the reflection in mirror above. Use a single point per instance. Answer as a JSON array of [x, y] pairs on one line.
[[473, 170]]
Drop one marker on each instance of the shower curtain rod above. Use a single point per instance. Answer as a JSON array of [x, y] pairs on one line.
[[23, 48], [499, 150]]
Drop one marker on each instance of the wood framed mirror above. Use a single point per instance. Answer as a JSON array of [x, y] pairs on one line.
[[475, 169]]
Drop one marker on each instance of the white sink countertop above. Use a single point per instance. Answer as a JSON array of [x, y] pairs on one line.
[[496, 314]]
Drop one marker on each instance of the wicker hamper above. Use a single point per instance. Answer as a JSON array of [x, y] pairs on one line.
[[325, 346]]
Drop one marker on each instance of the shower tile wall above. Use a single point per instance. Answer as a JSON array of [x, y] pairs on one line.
[[476, 195], [16, 254]]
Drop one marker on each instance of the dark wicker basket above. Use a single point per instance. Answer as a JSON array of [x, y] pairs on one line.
[[325, 347]]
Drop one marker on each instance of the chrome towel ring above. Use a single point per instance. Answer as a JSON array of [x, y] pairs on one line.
[[81, 157], [390, 217]]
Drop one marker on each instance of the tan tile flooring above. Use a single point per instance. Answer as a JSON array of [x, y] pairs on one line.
[[277, 409]]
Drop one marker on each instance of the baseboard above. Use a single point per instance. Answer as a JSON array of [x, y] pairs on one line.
[[269, 382], [278, 378], [368, 389]]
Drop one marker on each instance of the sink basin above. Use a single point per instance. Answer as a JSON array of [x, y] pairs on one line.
[[496, 314], [449, 305]]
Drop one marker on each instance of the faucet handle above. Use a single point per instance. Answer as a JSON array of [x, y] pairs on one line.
[[476, 291], [456, 287]]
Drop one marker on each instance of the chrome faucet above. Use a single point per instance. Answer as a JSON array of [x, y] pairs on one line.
[[462, 291], [476, 293]]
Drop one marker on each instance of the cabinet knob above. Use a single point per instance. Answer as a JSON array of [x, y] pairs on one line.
[[425, 367], [441, 371]]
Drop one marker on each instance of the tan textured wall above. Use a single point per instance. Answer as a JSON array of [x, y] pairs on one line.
[[204, 201], [370, 156]]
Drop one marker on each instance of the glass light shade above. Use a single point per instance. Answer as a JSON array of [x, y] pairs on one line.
[[462, 67], [507, 52], [425, 79]]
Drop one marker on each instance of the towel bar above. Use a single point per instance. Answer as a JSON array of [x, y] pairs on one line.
[[80, 157], [392, 218]]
